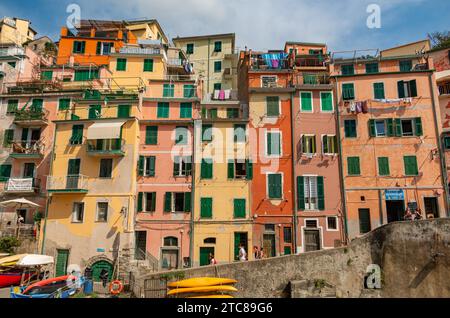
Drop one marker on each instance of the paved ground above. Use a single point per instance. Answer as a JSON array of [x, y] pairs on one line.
[[4, 292]]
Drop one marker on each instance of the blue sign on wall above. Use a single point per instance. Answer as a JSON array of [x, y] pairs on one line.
[[100, 250], [395, 195]]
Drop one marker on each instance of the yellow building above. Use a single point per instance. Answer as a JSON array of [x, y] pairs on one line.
[[223, 174], [16, 31], [147, 30], [91, 206], [214, 59]]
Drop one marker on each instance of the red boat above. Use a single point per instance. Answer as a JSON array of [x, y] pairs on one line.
[[12, 277], [48, 286]]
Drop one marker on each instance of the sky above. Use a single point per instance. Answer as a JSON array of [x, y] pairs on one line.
[[258, 24]]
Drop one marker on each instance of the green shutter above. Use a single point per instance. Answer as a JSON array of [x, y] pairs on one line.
[[275, 186], [411, 168], [364, 221], [188, 91], [372, 132], [413, 88], [418, 124], [306, 101], [168, 202], [213, 113], [185, 110], [153, 207], [348, 91], [327, 101], [378, 89], [37, 105], [47, 75], [383, 166], [187, 202], [350, 128], [64, 104], [218, 46], [139, 203], [401, 89], [8, 137], [273, 143], [325, 144], [353, 166], [249, 169], [148, 65], [217, 66], [5, 172], [371, 68], [123, 111], [163, 110], [398, 127], [176, 166], [151, 137], [121, 65], [13, 106], [98, 50], [151, 172], [77, 134], [207, 169], [273, 106], [62, 259], [168, 90], [300, 193], [390, 127], [321, 193], [230, 169], [239, 209], [206, 208], [405, 66], [95, 111], [141, 164], [207, 133], [348, 69]]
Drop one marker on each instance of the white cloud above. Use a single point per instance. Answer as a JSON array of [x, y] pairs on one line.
[[258, 24]]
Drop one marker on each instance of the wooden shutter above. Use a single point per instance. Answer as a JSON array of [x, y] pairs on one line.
[[163, 110], [321, 193], [364, 221], [206, 208], [410, 163], [186, 110], [378, 90], [300, 193], [123, 111], [168, 202], [306, 99], [152, 161], [141, 164], [187, 202], [273, 106], [176, 166], [151, 137], [275, 187], [401, 89], [372, 131], [390, 127], [139, 203], [153, 207], [230, 169], [398, 127], [383, 166], [418, 124], [249, 169], [327, 101], [239, 208], [413, 88], [148, 65], [5, 172], [206, 169]]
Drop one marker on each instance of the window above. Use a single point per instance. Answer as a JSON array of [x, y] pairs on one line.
[[329, 144], [163, 110], [383, 166], [348, 69], [308, 144], [447, 142], [148, 65], [79, 47], [232, 113], [273, 106], [218, 46], [181, 135], [306, 102], [348, 91], [408, 127], [147, 166], [239, 209], [151, 137], [240, 133], [287, 234], [405, 65], [207, 133], [46, 75], [12, 64], [275, 187], [85, 75], [168, 90], [269, 228], [310, 193], [407, 89], [240, 169], [64, 104], [185, 110], [146, 202], [217, 86], [378, 91], [364, 221], [104, 48], [8, 137], [190, 48], [95, 111], [380, 128], [106, 168], [350, 128], [170, 242], [218, 66], [326, 102], [372, 68], [353, 166], [5, 172], [269, 81], [188, 91], [411, 168], [182, 166], [209, 240], [177, 202], [207, 169], [77, 135], [13, 105], [123, 111], [209, 113], [332, 223], [273, 144], [37, 104], [206, 208], [78, 212], [121, 65], [102, 212]]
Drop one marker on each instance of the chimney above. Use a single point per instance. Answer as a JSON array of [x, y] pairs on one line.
[[64, 31], [93, 32]]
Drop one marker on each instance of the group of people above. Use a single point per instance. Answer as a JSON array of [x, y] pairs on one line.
[[242, 254], [413, 215]]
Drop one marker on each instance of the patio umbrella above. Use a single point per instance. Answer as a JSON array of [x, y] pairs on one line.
[[19, 204]]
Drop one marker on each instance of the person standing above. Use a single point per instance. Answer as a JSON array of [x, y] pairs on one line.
[[242, 253]]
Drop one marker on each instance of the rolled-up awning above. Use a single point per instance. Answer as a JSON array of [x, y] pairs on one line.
[[105, 130]]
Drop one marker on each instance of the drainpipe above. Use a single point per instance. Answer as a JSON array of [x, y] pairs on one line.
[[439, 143], [294, 185], [48, 197], [191, 234], [341, 159], [209, 54]]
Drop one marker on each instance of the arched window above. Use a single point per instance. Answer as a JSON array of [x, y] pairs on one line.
[[210, 240], [170, 241]]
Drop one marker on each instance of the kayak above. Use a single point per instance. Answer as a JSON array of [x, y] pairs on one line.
[[201, 282], [12, 277], [47, 286], [213, 296], [11, 260], [206, 289]]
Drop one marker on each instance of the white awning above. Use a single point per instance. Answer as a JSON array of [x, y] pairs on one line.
[[105, 130]]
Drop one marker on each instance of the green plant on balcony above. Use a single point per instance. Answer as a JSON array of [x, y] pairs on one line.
[[29, 114]]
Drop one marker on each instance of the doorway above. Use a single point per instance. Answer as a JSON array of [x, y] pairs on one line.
[[431, 207], [73, 173], [395, 211], [62, 259], [312, 240], [28, 170], [240, 239], [269, 245], [141, 245], [169, 259], [204, 255]]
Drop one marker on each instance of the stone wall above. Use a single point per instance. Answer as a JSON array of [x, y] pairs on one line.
[[414, 258]]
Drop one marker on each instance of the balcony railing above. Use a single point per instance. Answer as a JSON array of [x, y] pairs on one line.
[[444, 89], [30, 115], [312, 79], [264, 64], [25, 148], [139, 50], [222, 95], [10, 51], [175, 62], [64, 184], [22, 185], [106, 147], [310, 61]]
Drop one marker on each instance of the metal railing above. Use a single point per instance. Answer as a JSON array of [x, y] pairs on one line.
[[444, 89], [30, 114], [28, 147], [73, 182], [221, 95], [139, 50], [22, 185], [311, 79], [310, 60], [10, 51], [264, 64], [105, 145], [151, 261], [175, 62]]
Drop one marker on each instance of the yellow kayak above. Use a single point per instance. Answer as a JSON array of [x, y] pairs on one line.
[[213, 296], [202, 290], [201, 282], [11, 260]]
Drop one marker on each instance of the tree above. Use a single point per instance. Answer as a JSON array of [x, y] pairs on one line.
[[440, 40], [8, 244]]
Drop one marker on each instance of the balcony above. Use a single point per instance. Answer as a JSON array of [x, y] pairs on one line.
[[139, 51], [67, 184], [22, 186], [264, 64], [226, 96], [310, 61], [106, 147], [29, 117], [228, 73], [12, 51], [312, 80], [175, 62], [33, 149], [444, 89]]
